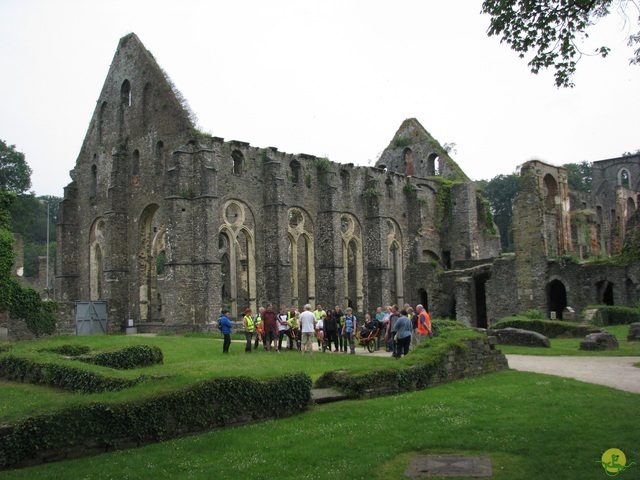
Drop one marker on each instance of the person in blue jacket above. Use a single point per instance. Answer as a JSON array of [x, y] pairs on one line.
[[225, 327]]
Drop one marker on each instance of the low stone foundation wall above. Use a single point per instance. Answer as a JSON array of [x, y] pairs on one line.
[[478, 357], [65, 325]]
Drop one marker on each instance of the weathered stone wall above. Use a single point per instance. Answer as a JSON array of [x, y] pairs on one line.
[[478, 358], [17, 328], [233, 224], [168, 224]]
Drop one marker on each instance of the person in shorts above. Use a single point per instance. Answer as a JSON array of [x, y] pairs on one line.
[[307, 328]]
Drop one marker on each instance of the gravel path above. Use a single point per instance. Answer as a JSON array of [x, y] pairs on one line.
[[615, 372]]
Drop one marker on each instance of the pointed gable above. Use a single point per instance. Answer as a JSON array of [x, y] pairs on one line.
[[413, 151], [137, 98]]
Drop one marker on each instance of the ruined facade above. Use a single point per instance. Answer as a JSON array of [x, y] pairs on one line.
[[168, 224], [563, 240]]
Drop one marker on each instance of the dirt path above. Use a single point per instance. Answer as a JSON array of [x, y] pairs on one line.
[[615, 372]]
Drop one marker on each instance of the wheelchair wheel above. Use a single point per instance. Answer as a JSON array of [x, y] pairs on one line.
[[371, 345]]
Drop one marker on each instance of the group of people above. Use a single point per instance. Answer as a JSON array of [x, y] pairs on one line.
[[333, 329]]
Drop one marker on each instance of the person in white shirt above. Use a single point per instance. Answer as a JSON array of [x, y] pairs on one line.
[[307, 328], [284, 329]]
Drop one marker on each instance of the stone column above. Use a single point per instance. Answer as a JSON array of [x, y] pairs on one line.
[[330, 281], [277, 268], [122, 302], [379, 273], [67, 241]]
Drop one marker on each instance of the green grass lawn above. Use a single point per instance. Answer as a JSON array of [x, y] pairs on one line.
[[531, 426], [571, 346], [187, 360]]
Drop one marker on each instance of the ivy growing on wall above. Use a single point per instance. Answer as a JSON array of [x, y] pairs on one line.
[[443, 203], [21, 302], [487, 216]]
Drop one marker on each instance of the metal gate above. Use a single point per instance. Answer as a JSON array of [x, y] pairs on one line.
[[91, 318]]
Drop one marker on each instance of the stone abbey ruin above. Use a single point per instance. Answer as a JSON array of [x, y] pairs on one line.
[[167, 224]]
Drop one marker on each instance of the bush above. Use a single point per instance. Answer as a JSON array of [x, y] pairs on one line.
[[548, 328], [534, 314], [210, 404], [61, 376], [440, 326], [128, 358], [39, 315], [610, 315], [68, 350]]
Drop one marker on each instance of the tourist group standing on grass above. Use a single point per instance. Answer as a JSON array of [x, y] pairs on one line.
[[333, 330]]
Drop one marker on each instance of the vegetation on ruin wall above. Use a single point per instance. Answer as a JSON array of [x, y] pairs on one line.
[[21, 303], [409, 188], [371, 191], [323, 164], [207, 405], [410, 373], [631, 248], [487, 216], [401, 142], [443, 202]]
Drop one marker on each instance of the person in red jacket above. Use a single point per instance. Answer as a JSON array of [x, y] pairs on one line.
[[270, 323]]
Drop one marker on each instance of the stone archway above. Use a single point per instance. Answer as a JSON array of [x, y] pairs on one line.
[[151, 281], [396, 266], [352, 262], [301, 255], [96, 255], [481, 299], [556, 298], [423, 297], [236, 244]]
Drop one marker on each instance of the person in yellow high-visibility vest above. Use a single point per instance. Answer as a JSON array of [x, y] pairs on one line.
[[249, 327], [292, 316], [259, 328]]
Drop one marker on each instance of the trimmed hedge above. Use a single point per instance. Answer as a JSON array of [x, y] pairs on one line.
[[548, 328], [611, 315], [68, 350], [61, 376], [127, 358], [100, 427]]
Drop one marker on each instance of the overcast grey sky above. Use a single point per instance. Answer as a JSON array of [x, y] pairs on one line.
[[328, 78]]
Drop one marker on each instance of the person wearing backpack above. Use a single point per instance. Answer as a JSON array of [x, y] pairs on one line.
[[404, 327], [349, 331], [225, 326]]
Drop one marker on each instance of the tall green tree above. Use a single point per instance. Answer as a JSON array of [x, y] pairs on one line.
[[29, 219], [579, 176], [15, 174], [551, 29], [501, 192], [7, 255]]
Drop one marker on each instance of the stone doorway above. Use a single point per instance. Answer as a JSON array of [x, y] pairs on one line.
[[556, 299]]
